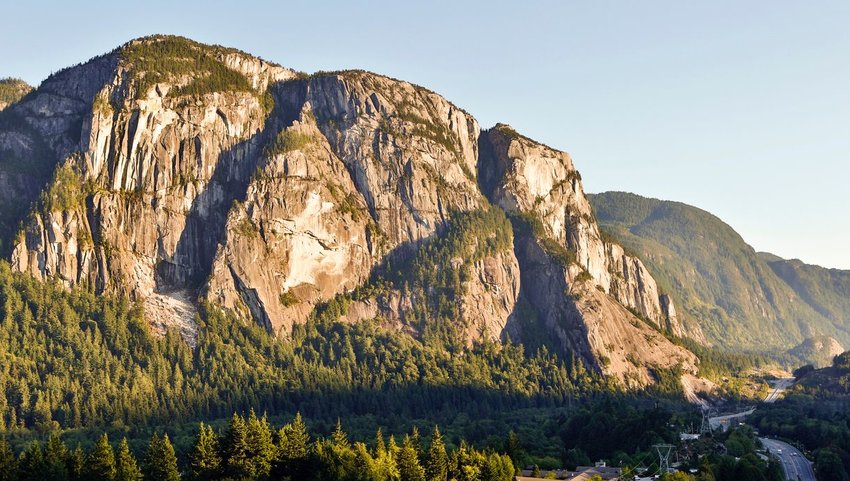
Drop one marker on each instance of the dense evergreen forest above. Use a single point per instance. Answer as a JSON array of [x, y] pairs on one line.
[[72, 359], [251, 449]]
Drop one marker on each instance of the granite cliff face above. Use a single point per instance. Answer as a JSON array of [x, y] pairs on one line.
[[172, 172], [542, 185]]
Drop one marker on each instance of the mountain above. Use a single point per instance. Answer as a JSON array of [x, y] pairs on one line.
[[725, 290], [826, 290], [181, 175], [12, 90], [819, 350]]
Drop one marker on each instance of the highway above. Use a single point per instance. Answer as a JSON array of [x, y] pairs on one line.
[[796, 466], [725, 422], [776, 392], [778, 389]]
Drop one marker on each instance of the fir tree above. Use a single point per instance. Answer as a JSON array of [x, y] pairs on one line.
[[261, 448], [8, 463], [126, 467], [77, 464], [31, 463], [236, 452], [293, 444], [205, 461], [160, 461], [436, 467], [408, 462], [100, 463], [56, 458]]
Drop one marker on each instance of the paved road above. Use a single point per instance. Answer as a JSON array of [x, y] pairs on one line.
[[724, 422], [796, 466], [779, 387]]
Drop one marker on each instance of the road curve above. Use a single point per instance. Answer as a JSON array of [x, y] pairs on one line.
[[795, 465]]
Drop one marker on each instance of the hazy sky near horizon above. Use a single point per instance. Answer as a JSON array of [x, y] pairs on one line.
[[739, 108]]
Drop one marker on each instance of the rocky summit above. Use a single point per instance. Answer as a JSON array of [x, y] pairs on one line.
[[175, 173]]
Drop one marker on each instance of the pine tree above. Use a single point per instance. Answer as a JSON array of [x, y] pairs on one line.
[[339, 438], [205, 460], [408, 462], [293, 444], [126, 467], [77, 464], [416, 440], [261, 446], [364, 464], [31, 463], [55, 459], [8, 463], [436, 467], [236, 452], [160, 461], [513, 447], [100, 463]]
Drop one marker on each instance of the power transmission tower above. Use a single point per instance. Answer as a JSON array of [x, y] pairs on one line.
[[705, 427], [663, 456]]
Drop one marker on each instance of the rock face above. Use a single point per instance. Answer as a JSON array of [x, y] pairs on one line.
[[818, 350], [138, 208], [541, 184], [368, 166], [172, 172]]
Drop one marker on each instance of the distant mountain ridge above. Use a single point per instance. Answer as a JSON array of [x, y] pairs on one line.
[[738, 297]]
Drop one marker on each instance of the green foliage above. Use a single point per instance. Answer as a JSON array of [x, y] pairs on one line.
[[246, 228], [818, 420], [205, 458], [288, 298], [160, 461], [12, 90], [8, 463], [713, 276], [67, 191], [74, 359], [171, 59], [100, 463], [287, 141], [583, 276], [433, 276], [126, 467], [528, 224]]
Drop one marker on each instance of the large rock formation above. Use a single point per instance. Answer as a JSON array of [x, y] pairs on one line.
[[541, 185], [173, 172]]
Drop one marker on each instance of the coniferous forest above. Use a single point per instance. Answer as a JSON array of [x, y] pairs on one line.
[[250, 448]]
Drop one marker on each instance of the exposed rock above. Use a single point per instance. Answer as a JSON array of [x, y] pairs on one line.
[[157, 172], [173, 310], [541, 184], [368, 166], [584, 320], [819, 350], [182, 183]]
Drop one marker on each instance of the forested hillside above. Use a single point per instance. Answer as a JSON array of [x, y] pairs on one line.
[[718, 281], [73, 359]]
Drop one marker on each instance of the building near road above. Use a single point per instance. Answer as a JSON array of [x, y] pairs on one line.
[[581, 473]]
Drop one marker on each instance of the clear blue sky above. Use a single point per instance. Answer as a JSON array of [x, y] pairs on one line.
[[741, 108]]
